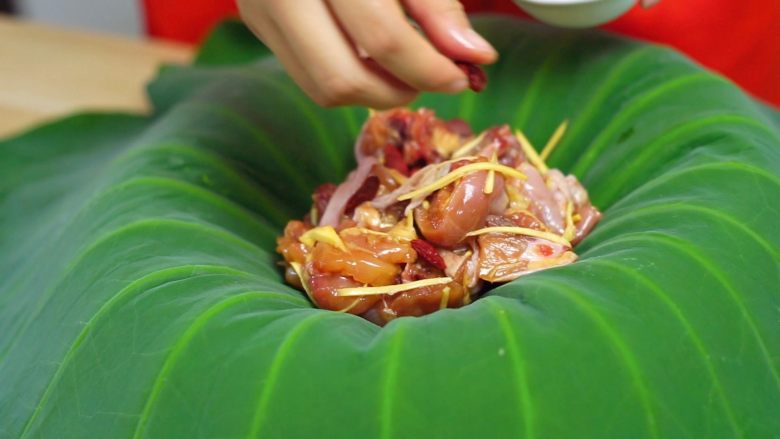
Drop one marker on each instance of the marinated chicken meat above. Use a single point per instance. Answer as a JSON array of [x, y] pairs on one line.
[[432, 216]]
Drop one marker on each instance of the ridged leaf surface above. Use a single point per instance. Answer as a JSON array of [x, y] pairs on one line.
[[140, 295]]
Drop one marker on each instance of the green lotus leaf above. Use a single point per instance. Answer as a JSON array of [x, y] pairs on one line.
[[140, 297]]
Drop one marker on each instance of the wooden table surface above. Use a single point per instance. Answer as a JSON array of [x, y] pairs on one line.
[[47, 72]]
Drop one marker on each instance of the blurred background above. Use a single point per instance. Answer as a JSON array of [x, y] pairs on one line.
[[179, 20], [118, 16], [740, 39], [60, 56]]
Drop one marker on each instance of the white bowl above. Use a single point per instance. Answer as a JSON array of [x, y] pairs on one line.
[[575, 13]]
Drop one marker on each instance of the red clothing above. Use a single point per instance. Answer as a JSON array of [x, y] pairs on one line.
[[739, 38]]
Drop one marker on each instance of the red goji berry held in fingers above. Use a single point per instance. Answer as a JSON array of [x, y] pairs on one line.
[[476, 76]]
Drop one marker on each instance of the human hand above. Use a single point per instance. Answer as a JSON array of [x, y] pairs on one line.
[[343, 52]]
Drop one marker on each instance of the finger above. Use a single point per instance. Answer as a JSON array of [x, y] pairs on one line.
[[446, 25], [380, 27], [267, 32], [340, 77]]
